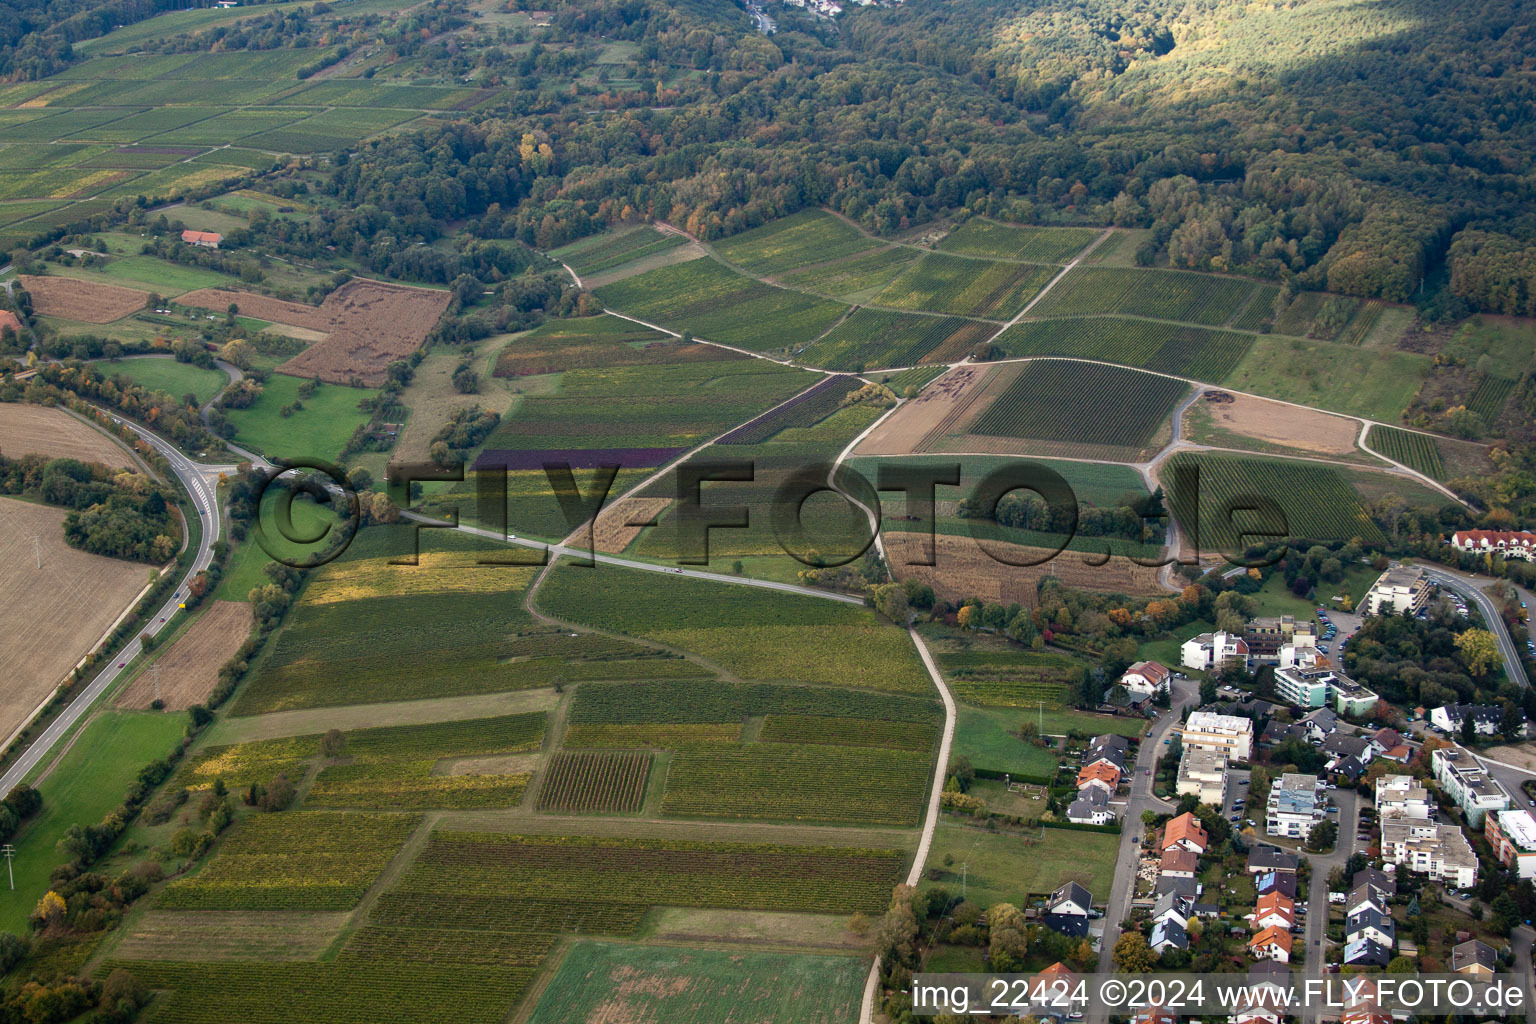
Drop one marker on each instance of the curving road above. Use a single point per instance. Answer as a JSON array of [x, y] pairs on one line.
[[204, 497], [1470, 589]]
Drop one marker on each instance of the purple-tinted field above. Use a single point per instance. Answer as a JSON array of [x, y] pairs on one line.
[[806, 408], [577, 458]]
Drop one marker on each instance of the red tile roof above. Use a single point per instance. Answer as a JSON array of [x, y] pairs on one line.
[[202, 236], [1272, 936], [1185, 827]]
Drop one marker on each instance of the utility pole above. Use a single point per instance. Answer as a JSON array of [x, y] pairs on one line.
[[157, 679], [9, 851], [964, 868], [1041, 728]]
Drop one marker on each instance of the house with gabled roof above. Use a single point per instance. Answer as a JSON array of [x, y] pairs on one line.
[[1103, 775], [1274, 909], [1067, 910], [1271, 944], [1168, 934], [1184, 832], [1474, 957]]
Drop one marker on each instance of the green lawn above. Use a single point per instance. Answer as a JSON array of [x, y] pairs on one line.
[[157, 275], [1008, 868], [319, 430], [1167, 651], [1340, 378], [982, 734], [87, 784], [248, 560], [165, 374]]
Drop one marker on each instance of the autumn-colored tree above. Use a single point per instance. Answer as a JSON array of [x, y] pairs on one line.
[[966, 616], [1479, 651], [1132, 954], [50, 909], [1008, 943]]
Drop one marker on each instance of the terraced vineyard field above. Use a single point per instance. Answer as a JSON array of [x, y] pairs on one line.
[[868, 785], [584, 782], [981, 237], [810, 406], [1161, 294], [1414, 450], [865, 272], [1310, 502], [942, 283], [880, 337], [297, 860], [810, 236], [1491, 396], [755, 633], [717, 304], [1090, 403], [705, 701], [1193, 352], [604, 252]]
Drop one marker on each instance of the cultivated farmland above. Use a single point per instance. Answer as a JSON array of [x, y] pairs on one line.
[[941, 283], [189, 669], [582, 782], [1414, 450], [1087, 403], [600, 982], [881, 337], [757, 634], [811, 405], [1163, 294], [1145, 344], [594, 342], [604, 252], [810, 236], [44, 430], [54, 614], [717, 304], [90, 301], [980, 237], [964, 570], [1313, 502]]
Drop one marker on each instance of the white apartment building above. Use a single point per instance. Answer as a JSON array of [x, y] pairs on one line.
[[1404, 796], [1220, 734], [1214, 651], [1400, 589], [1296, 806], [1512, 834], [1439, 851], [1468, 784], [1203, 773], [1313, 682]]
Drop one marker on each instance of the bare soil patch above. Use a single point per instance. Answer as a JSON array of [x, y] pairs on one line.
[[369, 324], [55, 614], [677, 254], [506, 764], [824, 931], [930, 415], [964, 570], [313, 721], [230, 935], [1278, 423], [42, 430], [190, 667], [611, 533], [88, 301]]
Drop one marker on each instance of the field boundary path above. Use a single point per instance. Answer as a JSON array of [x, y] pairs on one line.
[[205, 498], [1365, 430]]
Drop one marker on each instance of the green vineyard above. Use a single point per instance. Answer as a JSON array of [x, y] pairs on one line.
[[810, 236], [979, 237], [1193, 352], [1089, 403], [1161, 294], [882, 337], [941, 283], [1414, 450], [576, 783]]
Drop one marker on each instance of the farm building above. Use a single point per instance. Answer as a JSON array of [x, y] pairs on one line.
[[8, 321], [202, 239]]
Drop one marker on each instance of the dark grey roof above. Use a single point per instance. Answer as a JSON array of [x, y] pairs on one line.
[[1364, 894], [1071, 891], [1377, 879], [1369, 917], [1366, 951], [1171, 901], [1268, 858], [1324, 718], [1276, 881], [1074, 925], [1171, 931], [1182, 886], [1110, 739], [1473, 952], [1341, 745]]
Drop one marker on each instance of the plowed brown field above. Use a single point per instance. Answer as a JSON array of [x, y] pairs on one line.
[[190, 668], [40, 430], [88, 301], [964, 570]]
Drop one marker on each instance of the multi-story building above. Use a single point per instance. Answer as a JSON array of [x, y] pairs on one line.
[[1296, 806], [1222, 734], [1439, 851], [1508, 543], [1148, 677], [1468, 784], [1403, 795], [1512, 834], [1487, 719], [1203, 774], [1266, 636], [1402, 588], [1214, 652], [1315, 683]]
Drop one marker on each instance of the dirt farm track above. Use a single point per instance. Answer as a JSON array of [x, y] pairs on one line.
[[52, 615]]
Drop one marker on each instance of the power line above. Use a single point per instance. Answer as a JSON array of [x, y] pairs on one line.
[[9, 851]]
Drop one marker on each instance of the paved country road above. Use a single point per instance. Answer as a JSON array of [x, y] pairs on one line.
[[1472, 588], [205, 498]]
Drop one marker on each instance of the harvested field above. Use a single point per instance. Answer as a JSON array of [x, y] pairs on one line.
[[88, 301], [964, 570], [230, 935], [612, 533], [1278, 423], [190, 668], [931, 413], [42, 430], [490, 764], [369, 325], [53, 615]]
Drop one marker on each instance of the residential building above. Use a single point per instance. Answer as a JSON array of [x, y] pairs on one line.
[[1274, 910], [1104, 776], [1223, 734], [1266, 636], [1148, 677], [1283, 882], [1369, 923], [1402, 588], [1512, 834], [1184, 832], [1320, 724], [1172, 906], [1381, 881], [1295, 806], [202, 239], [1262, 859], [1212, 652], [1271, 944], [1203, 774], [1319, 684], [1439, 851], [1367, 897], [1474, 957], [1179, 863], [1168, 934], [1277, 732], [1388, 743], [1091, 807], [1067, 910], [1486, 718], [1365, 952], [1106, 754], [1463, 778], [1404, 796], [1186, 887], [1509, 543]]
